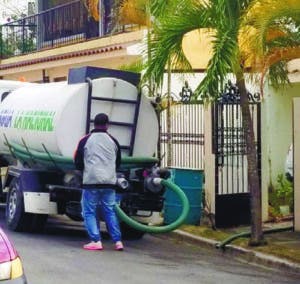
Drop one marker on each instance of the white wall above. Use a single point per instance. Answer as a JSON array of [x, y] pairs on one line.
[[277, 134]]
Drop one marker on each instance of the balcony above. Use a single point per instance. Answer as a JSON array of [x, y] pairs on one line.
[[63, 25]]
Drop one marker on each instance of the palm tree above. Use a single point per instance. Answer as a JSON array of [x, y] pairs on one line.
[[134, 12], [274, 37], [141, 11], [224, 19]]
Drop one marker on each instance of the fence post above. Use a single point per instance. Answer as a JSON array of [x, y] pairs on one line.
[[23, 36], [52, 27], [1, 43]]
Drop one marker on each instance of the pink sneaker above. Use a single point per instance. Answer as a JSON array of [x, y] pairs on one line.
[[93, 246], [119, 246]]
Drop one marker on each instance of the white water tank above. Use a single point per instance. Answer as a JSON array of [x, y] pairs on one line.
[[7, 86], [55, 115]]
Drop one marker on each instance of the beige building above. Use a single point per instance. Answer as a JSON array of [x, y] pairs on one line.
[[44, 46], [53, 64]]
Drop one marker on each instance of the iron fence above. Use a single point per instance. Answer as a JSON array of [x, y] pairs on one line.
[[61, 25], [182, 136]]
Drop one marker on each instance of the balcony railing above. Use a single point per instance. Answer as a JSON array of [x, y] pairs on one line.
[[62, 25]]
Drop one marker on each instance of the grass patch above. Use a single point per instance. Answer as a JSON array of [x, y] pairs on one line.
[[206, 232], [273, 247]]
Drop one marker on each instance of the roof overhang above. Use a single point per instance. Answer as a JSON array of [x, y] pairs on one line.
[[117, 49]]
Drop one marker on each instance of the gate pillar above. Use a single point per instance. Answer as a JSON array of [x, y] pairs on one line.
[[296, 147], [209, 157]]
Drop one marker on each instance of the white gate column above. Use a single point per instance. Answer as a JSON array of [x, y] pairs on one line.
[[296, 129], [209, 158]]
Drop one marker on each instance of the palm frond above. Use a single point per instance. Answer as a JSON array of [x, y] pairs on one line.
[[136, 67], [226, 55], [161, 7], [278, 74], [264, 15], [167, 36], [134, 12], [223, 62], [287, 39], [276, 55]]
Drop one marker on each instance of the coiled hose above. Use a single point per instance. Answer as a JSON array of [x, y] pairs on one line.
[[161, 229]]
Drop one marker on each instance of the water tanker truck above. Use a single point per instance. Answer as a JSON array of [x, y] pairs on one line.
[[40, 126]]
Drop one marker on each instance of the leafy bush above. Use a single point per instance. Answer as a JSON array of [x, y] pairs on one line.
[[284, 191], [281, 194]]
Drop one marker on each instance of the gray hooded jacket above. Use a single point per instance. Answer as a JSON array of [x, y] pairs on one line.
[[98, 155]]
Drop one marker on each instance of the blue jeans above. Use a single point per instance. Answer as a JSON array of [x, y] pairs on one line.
[[105, 199]]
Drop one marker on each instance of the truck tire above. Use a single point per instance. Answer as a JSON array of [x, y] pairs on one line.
[[16, 217], [14, 213], [129, 233]]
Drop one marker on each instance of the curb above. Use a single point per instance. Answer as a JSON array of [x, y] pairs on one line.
[[250, 256]]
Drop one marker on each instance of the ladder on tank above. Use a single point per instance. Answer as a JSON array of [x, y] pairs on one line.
[[132, 125]]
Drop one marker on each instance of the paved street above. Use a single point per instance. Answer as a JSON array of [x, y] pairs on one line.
[[56, 257]]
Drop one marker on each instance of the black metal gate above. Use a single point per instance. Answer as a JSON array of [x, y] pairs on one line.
[[232, 197]]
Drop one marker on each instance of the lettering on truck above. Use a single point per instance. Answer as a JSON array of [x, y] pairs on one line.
[[28, 120]]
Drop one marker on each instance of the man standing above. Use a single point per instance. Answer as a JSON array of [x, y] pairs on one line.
[[98, 155]]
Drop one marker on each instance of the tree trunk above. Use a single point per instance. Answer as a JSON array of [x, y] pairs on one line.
[[257, 237]]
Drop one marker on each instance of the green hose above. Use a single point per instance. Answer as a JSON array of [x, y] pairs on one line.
[[161, 229], [224, 243], [48, 159]]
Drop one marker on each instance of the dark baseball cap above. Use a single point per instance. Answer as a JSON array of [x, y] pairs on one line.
[[101, 119]]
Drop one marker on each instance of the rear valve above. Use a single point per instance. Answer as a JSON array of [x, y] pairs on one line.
[[153, 179], [122, 182]]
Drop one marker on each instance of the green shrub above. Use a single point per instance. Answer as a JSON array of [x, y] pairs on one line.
[[281, 194], [284, 191]]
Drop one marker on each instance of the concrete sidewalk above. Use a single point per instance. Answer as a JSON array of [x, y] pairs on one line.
[[281, 251]]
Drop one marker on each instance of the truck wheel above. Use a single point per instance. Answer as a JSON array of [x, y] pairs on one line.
[[14, 213], [129, 233], [16, 217]]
